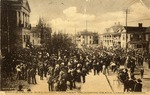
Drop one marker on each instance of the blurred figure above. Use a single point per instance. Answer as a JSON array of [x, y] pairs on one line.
[[18, 77], [33, 75], [126, 85], [138, 86], [84, 71], [50, 83], [41, 71], [142, 72], [28, 75]]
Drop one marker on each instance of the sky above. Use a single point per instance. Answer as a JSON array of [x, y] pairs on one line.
[[70, 16]]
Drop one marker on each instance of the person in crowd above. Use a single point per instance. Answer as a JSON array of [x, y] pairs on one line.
[[50, 83], [132, 65], [94, 66], [18, 77], [126, 84], [138, 86], [45, 68], [84, 72], [70, 76], [41, 71], [56, 70], [62, 80], [100, 66], [131, 83], [78, 73], [28, 75], [33, 75], [142, 72]]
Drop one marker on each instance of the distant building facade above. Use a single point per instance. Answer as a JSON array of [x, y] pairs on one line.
[[15, 24], [147, 33], [125, 37], [41, 34], [86, 38]]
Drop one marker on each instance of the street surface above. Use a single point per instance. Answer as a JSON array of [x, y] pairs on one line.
[[97, 83]]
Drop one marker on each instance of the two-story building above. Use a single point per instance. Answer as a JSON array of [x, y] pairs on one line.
[[86, 38], [111, 37], [125, 37]]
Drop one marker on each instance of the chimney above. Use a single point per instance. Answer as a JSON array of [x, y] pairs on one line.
[[140, 24]]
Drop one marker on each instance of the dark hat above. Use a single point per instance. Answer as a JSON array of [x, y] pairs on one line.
[[139, 80]]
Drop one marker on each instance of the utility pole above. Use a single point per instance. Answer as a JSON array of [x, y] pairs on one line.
[[0, 48], [126, 17], [126, 12]]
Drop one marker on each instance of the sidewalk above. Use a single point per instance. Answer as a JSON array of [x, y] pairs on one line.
[[118, 86], [146, 78], [97, 83]]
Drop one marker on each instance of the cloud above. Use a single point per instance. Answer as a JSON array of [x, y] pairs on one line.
[[72, 15], [139, 11], [71, 18], [99, 22]]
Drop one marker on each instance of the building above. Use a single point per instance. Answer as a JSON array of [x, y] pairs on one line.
[[35, 37], [147, 33], [125, 37], [112, 37], [15, 24], [41, 34], [87, 38]]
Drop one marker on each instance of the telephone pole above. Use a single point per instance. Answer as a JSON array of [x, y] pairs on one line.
[[126, 12]]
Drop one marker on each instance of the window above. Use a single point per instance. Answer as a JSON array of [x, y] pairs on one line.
[[139, 46], [29, 36], [90, 42], [33, 42], [90, 37], [131, 35], [24, 38], [83, 37], [83, 42], [33, 35], [123, 38], [39, 35]]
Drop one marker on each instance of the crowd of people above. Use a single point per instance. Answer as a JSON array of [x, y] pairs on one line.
[[65, 68]]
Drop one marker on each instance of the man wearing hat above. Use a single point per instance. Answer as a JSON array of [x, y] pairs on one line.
[[138, 86]]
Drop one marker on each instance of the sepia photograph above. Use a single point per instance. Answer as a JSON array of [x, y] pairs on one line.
[[75, 46]]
